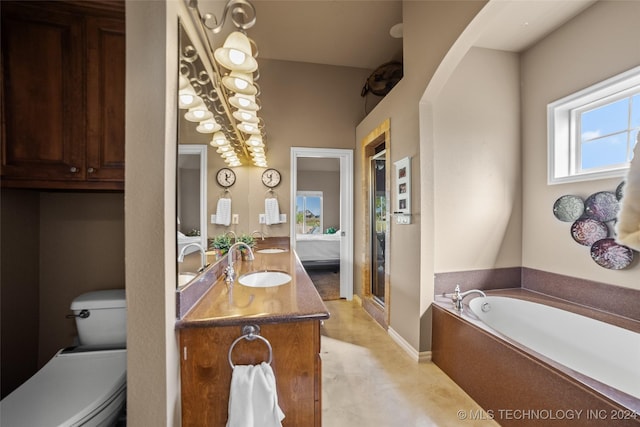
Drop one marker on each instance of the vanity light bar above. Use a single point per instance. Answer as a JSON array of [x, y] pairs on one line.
[[234, 102]]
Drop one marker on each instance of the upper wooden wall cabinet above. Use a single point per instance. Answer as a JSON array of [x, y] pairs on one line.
[[63, 95]]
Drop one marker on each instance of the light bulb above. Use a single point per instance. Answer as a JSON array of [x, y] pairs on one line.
[[237, 57], [241, 84]]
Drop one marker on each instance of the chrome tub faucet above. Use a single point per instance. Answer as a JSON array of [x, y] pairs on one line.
[[458, 296]]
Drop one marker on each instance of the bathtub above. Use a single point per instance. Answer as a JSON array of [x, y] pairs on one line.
[[515, 356], [604, 352]]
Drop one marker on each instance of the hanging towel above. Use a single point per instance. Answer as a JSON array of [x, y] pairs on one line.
[[253, 398], [223, 212], [628, 225], [271, 211]]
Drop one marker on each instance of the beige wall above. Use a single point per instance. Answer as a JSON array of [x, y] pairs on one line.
[[430, 28], [597, 44], [81, 250], [304, 105], [153, 385], [476, 156], [19, 286]]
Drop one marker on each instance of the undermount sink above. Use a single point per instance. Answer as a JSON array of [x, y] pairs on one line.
[[271, 251], [184, 278], [264, 279]]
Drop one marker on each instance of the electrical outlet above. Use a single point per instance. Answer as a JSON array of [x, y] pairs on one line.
[[403, 219], [213, 219], [283, 218]]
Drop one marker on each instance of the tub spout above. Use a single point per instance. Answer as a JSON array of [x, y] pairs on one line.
[[458, 296]]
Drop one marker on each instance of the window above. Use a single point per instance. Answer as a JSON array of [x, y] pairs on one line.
[[309, 212], [592, 133]]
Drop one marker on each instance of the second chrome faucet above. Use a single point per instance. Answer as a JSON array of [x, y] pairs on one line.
[[230, 273]]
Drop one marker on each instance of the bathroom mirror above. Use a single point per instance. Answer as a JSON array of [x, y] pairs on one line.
[[197, 191], [191, 177], [191, 182]]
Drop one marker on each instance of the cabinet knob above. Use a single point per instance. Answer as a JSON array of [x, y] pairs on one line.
[[91, 170], [73, 169]]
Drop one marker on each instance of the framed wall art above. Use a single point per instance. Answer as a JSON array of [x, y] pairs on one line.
[[402, 190]]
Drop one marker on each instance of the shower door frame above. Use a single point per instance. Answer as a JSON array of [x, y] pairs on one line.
[[381, 134]]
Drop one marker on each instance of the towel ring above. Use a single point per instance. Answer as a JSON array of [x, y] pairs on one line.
[[224, 193], [250, 333], [273, 193]]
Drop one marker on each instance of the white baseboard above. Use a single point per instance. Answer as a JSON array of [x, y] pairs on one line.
[[423, 356]]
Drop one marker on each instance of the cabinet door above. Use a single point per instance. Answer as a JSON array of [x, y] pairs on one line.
[[206, 374], [105, 99], [43, 94]]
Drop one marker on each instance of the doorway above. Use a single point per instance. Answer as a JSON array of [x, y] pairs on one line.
[[339, 231]]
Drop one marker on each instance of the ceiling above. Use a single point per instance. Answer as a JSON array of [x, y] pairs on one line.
[[355, 33]]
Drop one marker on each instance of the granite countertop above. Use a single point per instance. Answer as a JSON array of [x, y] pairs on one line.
[[293, 301]]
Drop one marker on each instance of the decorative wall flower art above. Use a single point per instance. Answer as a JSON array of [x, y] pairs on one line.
[[592, 225]]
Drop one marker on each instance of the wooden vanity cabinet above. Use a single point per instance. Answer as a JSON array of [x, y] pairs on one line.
[[206, 373], [63, 95]]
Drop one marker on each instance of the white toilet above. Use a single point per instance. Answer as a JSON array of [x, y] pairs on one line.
[[80, 386]]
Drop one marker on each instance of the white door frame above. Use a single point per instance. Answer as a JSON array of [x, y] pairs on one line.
[[346, 207]]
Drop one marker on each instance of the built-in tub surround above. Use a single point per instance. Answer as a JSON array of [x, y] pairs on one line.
[[600, 296], [598, 350], [519, 386]]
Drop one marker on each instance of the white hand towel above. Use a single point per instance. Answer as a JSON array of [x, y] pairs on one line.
[[628, 225], [253, 398], [271, 211], [223, 212]]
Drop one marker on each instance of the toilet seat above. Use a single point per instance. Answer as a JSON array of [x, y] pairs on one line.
[[72, 389]]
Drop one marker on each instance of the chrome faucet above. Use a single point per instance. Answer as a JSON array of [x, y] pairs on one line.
[[229, 272], [457, 296], [235, 237], [203, 256], [259, 233]]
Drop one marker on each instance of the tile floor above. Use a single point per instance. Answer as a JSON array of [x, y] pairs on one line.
[[368, 380]]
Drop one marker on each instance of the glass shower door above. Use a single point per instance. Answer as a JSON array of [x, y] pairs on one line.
[[378, 222]]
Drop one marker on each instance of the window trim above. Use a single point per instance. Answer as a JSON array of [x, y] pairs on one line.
[[561, 134]]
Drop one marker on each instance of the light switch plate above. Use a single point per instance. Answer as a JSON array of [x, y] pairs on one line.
[[235, 219], [262, 219], [283, 218]]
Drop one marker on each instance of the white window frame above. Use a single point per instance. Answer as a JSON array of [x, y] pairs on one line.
[[563, 126], [318, 194]]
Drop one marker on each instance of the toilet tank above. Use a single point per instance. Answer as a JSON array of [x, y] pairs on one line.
[[101, 318]]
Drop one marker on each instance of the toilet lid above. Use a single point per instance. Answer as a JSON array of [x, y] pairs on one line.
[[68, 389]]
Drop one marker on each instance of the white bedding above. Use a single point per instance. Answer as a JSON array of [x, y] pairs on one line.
[[318, 247]]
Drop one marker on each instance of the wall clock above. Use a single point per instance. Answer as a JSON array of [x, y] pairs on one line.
[[226, 177], [271, 178]]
